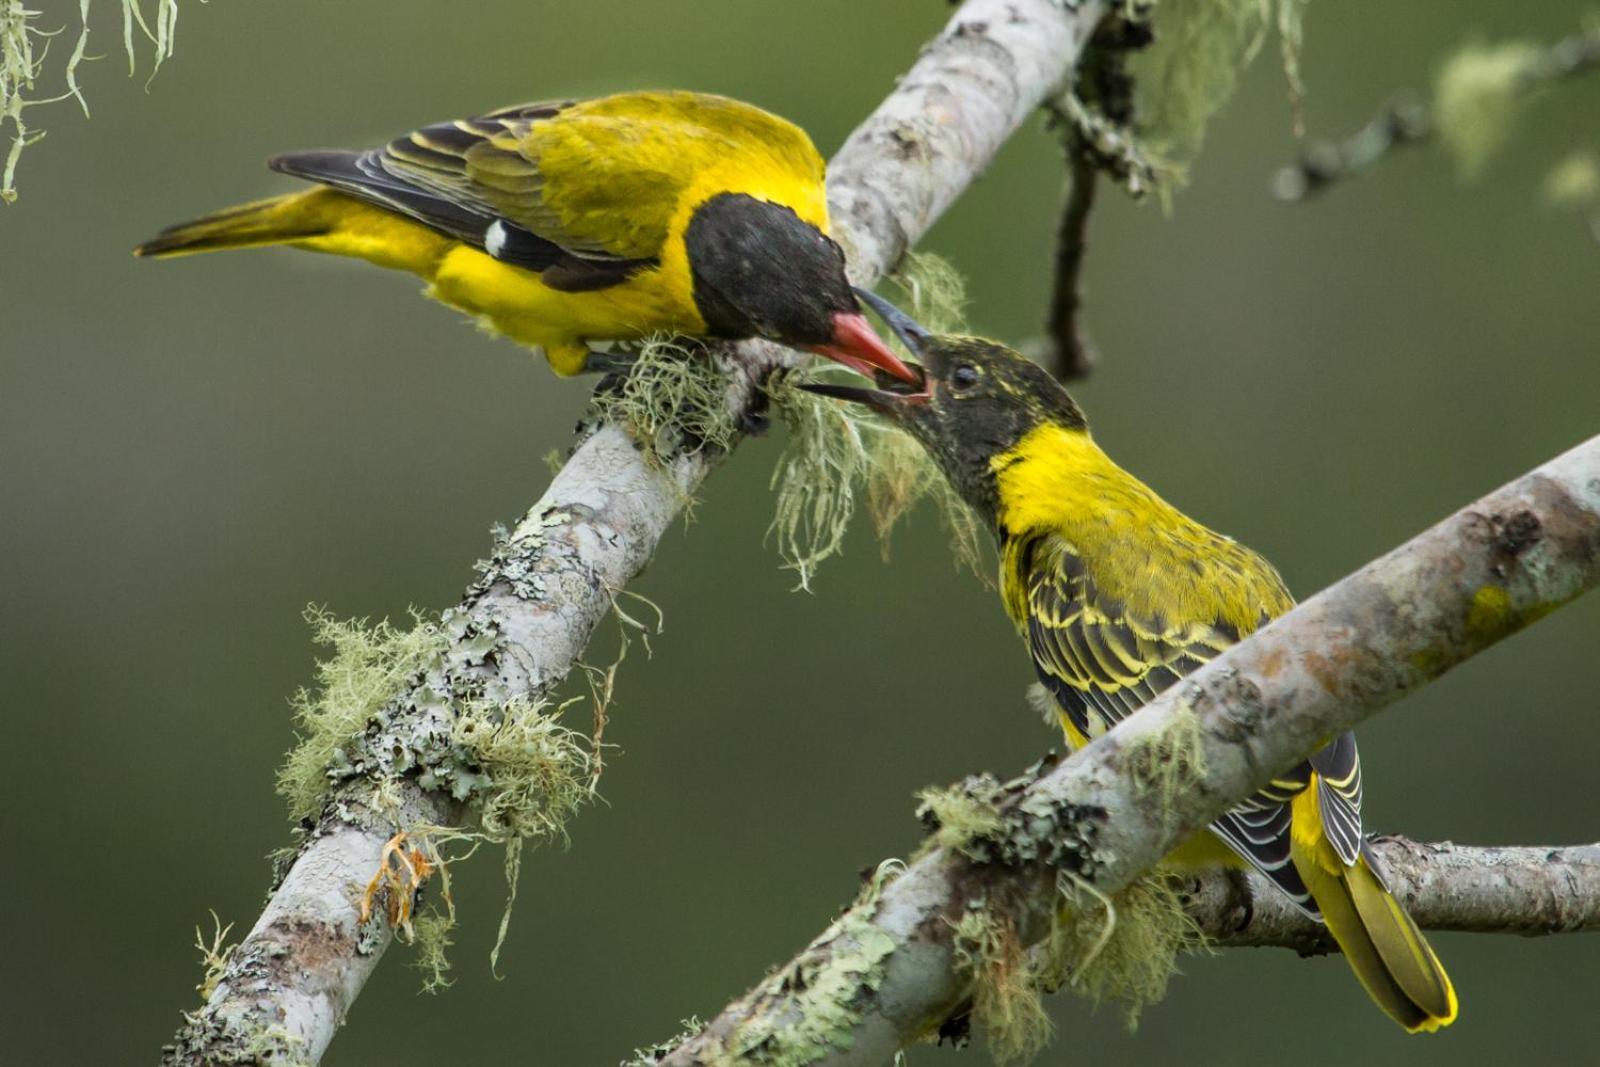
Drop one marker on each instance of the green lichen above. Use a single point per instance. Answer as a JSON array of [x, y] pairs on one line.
[[1575, 182], [1193, 67], [672, 401], [651, 1055], [1477, 97], [520, 772], [214, 956], [23, 52], [368, 666], [960, 814], [224, 1041], [1006, 985], [810, 1007], [1122, 950], [432, 941], [837, 454], [1119, 950]]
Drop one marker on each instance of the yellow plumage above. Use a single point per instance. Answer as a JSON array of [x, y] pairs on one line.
[[1118, 595], [604, 190]]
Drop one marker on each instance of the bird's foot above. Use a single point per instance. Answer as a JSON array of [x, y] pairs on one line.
[[403, 872], [610, 364]]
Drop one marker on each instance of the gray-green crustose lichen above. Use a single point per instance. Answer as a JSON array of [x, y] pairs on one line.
[[1006, 824], [812, 1005], [238, 1035], [392, 704]]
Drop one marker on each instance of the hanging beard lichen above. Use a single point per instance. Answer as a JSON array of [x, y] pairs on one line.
[[1120, 949], [838, 453], [23, 51], [521, 772], [1200, 47]]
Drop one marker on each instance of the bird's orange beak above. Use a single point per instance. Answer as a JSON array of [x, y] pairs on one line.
[[857, 346]]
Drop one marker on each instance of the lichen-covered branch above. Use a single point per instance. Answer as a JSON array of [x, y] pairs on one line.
[[894, 967], [1476, 100], [523, 625], [1474, 889]]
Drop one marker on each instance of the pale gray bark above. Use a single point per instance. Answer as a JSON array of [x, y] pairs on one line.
[[890, 965], [521, 628], [1526, 890]]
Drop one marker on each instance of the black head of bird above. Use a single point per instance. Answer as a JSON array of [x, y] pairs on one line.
[[759, 270], [976, 401]]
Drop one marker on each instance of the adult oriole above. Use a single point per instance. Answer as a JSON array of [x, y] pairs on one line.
[[1119, 594], [558, 224]]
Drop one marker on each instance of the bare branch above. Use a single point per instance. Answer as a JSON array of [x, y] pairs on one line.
[[1402, 121], [1071, 354], [1522, 890], [888, 971], [1473, 104], [523, 625]]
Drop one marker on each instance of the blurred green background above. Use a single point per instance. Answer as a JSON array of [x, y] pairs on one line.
[[193, 451]]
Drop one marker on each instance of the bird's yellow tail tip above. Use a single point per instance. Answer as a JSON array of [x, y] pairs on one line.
[[1393, 960], [261, 222]]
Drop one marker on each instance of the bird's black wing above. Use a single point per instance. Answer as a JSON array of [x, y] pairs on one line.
[[1102, 662], [426, 175]]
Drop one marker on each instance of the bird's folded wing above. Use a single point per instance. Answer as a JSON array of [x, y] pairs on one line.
[[599, 185], [1102, 662]]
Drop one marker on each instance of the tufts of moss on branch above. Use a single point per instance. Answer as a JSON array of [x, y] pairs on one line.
[[1120, 949], [838, 454], [672, 401], [519, 771]]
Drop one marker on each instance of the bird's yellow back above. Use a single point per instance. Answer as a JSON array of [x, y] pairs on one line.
[[663, 154], [1140, 551]]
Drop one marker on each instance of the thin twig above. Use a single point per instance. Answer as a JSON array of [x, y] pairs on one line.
[[1401, 122], [1072, 355], [1091, 141], [1407, 120]]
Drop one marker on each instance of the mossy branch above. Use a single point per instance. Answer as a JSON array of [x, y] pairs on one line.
[[524, 624], [976, 921]]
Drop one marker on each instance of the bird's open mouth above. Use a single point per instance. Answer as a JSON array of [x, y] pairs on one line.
[[892, 395], [887, 395]]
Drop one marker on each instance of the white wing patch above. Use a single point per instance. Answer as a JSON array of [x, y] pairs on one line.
[[494, 239]]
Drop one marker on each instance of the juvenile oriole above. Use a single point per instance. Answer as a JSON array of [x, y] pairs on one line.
[[558, 224], [1118, 594]]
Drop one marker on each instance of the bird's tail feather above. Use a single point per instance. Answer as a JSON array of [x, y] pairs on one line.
[[294, 217], [1391, 958]]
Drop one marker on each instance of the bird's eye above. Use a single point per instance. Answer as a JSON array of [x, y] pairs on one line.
[[964, 376]]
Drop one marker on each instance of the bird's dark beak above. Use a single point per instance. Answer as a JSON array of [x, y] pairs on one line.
[[890, 402], [857, 346], [911, 333]]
